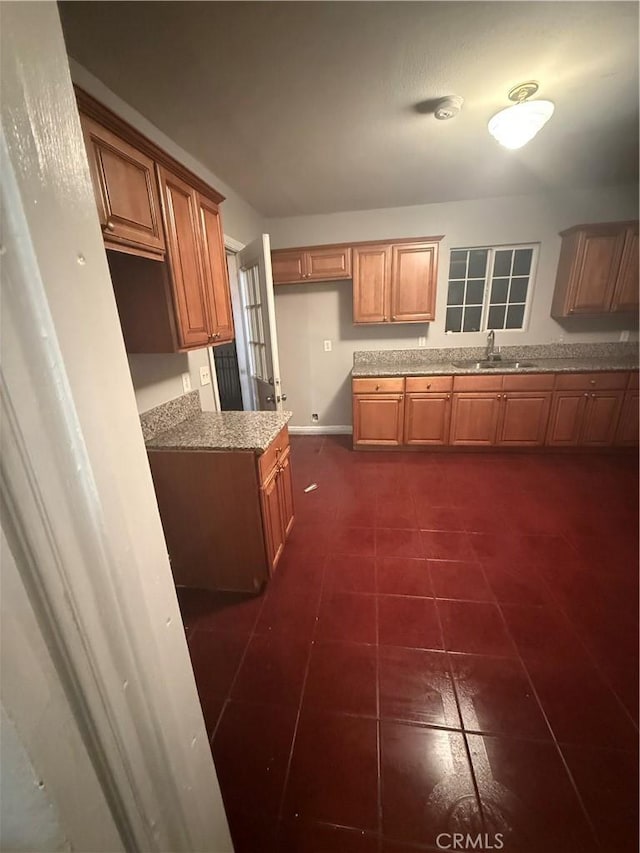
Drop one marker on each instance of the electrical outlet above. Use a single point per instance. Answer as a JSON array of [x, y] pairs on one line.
[[624, 336], [327, 346], [422, 342], [315, 418], [205, 375], [186, 382]]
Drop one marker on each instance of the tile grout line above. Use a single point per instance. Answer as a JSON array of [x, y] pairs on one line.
[[238, 668], [287, 774], [550, 727]]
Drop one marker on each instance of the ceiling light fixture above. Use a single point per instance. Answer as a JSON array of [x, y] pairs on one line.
[[514, 126]]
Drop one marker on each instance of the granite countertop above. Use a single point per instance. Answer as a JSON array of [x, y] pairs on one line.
[[252, 431], [541, 365], [548, 358]]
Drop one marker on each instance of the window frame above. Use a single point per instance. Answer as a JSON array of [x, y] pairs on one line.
[[489, 275]]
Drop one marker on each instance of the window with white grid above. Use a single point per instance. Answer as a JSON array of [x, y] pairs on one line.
[[254, 324], [489, 287]]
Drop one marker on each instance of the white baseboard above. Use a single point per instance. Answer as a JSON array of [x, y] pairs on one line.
[[320, 430]]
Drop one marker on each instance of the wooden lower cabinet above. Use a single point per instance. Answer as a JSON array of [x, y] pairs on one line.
[[225, 522], [601, 418], [474, 418], [276, 498], [627, 431], [426, 418], [583, 419], [378, 419], [497, 410], [523, 418], [565, 421]]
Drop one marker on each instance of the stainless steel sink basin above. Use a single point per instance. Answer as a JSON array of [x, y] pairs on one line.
[[492, 365]]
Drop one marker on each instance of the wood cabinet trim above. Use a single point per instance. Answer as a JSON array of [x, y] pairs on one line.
[[104, 116], [391, 241]]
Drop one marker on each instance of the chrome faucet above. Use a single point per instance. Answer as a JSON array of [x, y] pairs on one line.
[[491, 354]]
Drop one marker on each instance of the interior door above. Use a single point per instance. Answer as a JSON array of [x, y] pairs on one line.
[[258, 306]]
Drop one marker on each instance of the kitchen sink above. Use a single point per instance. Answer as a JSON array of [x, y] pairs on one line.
[[492, 365]]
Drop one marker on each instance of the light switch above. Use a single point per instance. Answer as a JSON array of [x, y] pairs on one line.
[[205, 375], [327, 346], [186, 382]]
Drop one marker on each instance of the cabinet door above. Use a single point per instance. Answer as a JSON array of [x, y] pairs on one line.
[[565, 421], [523, 418], [214, 267], [288, 267], [627, 430], [426, 418], [180, 208], [378, 419], [371, 283], [596, 272], [474, 418], [414, 271], [285, 485], [601, 418], [125, 188], [270, 501], [324, 264], [625, 295]]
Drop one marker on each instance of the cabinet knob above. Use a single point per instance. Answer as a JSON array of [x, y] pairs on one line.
[[498, 396], [377, 387], [592, 382], [109, 225], [384, 319], [428, 385], [593, 396], [586, 395], [448, 396]]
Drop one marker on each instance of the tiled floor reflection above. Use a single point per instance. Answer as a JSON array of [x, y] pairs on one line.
[[449, 645]]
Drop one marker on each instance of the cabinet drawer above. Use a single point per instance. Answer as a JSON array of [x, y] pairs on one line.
[[423, 384], [528, 382], [388, 385], [491, 382], [591, 381], [275, 450]]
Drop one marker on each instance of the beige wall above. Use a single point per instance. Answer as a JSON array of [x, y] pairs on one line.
[[158, 378], [317, 381]]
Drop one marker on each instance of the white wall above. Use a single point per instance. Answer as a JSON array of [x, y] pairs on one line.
[[157, 378], [316, 381]]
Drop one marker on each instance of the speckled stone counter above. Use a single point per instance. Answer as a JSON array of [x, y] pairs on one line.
[[551, 358], [222, 431]]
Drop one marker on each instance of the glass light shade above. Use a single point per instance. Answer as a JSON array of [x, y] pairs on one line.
[[514, 126]]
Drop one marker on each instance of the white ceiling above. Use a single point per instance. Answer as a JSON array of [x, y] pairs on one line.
[[316, 107]]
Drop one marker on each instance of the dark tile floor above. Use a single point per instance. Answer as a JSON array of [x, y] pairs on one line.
[[449, 645]]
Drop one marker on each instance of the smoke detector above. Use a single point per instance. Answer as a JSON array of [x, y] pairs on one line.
[[448, 107]]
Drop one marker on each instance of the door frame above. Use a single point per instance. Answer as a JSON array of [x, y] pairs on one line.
[[78, 506], [232, 247]]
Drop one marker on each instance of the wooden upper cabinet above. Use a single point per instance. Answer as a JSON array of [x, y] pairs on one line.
[[151, 206], [287, 267], [125, 188], [598, 270], [181, 213], [326, 263], [414, 271], [216, 276], [625, 295], [393, 281], [317, 263], [371, 283]]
